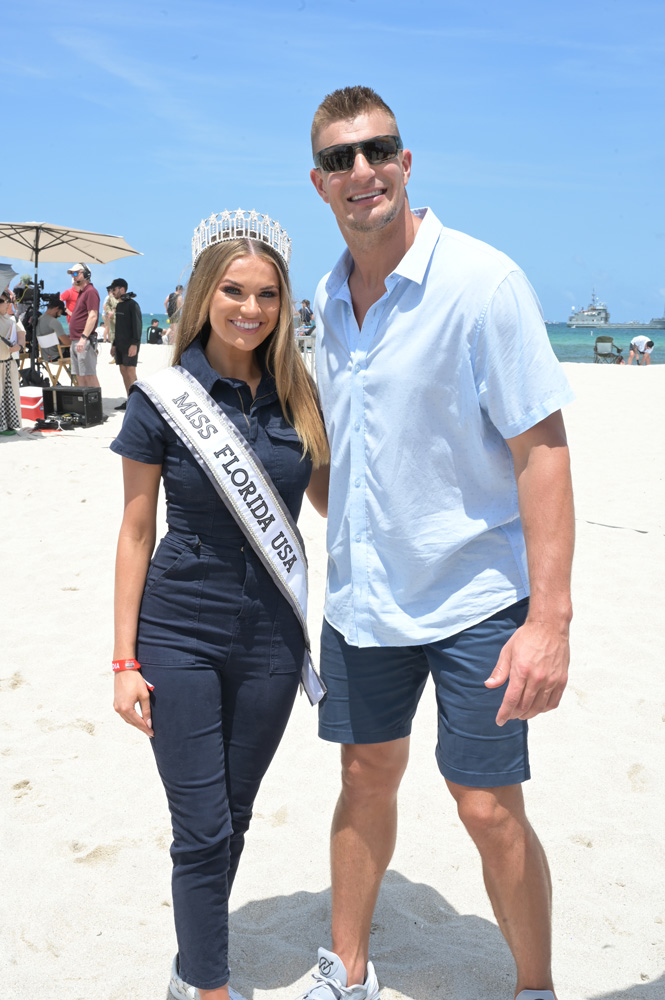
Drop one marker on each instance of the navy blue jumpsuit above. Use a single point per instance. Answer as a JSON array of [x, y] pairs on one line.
[[222, 648]]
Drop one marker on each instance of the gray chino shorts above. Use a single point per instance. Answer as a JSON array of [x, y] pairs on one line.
[[84, 363]]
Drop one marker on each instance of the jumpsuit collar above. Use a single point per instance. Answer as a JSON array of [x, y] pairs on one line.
[[196, 363]]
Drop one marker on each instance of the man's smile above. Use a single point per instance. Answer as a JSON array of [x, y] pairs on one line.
[[368, 194]]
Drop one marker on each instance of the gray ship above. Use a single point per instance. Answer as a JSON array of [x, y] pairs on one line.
[[597, 317]]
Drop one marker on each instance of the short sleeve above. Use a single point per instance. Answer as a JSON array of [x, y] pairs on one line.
[[518, 377], [143, 434]]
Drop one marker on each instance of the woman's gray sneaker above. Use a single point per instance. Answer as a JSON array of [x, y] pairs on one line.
[[181, 990]]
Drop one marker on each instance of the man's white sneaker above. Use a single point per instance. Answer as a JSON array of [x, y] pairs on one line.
[[330, 981], [535, 995], [181, 990]]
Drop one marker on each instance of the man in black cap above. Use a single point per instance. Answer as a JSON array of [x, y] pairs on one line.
[[128, 330]]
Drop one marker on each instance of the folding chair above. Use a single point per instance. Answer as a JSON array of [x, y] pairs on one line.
[[605, 351], [50, 340]]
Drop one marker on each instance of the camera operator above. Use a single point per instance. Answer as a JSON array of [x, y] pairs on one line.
[[128, 331], [49, 324]]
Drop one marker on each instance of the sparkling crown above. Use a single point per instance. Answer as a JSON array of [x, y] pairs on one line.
[[240, 225]]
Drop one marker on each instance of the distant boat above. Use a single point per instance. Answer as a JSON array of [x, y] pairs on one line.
[[597, 317]]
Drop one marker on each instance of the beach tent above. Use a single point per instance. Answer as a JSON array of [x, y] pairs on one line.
[[35, 241]]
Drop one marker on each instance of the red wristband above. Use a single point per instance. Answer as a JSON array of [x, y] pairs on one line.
[[125, 665]]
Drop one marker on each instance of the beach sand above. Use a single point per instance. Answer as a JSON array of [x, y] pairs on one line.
[[85, 905]]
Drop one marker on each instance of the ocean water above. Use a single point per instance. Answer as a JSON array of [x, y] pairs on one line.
[[568, 345], [577, 345]]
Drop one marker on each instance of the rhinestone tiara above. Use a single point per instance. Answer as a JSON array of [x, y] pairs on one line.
[[240, 225]]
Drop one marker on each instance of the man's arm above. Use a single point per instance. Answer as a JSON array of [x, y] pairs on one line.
[[535, 660], [90, 324]]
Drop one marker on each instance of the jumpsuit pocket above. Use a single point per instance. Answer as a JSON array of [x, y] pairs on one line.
[[171, 603], [287, 469], [169, 554]]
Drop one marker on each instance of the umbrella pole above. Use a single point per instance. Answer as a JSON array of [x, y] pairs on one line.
[[35, 309]]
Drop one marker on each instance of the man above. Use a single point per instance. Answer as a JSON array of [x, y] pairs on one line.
[[83, 326], [173, 305], [155, 332], [108, 318], [450, 501], [69, 297], [640, 348], [49, 325], [305, 314], [128, 331]]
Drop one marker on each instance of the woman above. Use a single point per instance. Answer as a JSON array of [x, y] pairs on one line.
[[10, 393], [220, 647]]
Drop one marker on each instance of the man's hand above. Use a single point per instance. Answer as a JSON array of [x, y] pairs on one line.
[[81, 345], [112, 350], [133, 351], [534, 661]]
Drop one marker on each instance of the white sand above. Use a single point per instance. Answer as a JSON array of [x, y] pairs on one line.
[[85, 908]]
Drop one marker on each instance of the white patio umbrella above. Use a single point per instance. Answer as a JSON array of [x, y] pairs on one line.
[[40, 241]]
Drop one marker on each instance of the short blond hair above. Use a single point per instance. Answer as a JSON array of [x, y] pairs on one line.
[[344, 105]]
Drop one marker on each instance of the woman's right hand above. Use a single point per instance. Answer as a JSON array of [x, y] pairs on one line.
[[130, 688]]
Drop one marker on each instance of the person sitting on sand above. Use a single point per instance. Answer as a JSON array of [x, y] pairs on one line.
[[207, 640]]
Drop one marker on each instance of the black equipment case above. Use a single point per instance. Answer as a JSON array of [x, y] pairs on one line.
[[84, 401]]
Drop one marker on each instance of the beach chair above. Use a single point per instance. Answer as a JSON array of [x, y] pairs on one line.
[[605, 351], [61, 363]]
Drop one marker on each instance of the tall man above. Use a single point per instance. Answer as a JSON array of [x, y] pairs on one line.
[[128, 331], [83, 326], [450, 503]]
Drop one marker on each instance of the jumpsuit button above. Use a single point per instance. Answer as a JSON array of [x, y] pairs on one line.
[[242, 548]]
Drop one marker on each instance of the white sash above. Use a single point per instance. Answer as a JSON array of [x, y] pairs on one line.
[[243, 484]]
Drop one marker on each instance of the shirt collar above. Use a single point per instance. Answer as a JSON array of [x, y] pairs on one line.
[[413, 264], [196, 363]]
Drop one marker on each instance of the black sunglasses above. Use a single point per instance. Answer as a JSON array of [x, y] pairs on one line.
[[337, 159]]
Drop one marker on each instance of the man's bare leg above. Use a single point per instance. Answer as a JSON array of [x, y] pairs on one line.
[[128, 373], [516, 874], [363, 834]]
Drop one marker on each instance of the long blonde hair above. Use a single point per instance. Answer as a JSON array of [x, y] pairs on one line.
[[295, 387]]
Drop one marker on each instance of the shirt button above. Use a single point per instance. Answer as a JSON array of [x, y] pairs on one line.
[[356, 368], [357, 482], [356, 426], [357, 538]]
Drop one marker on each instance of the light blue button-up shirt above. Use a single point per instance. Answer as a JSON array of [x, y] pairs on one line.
[[424, 537]]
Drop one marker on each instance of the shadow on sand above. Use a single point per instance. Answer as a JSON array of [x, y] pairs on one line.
[[422, 947]]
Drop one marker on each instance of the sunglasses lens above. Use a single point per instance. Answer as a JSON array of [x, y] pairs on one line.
[[337, 158], [379, 150]]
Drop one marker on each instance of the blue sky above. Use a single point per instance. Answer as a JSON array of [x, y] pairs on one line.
[[535, 126]]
